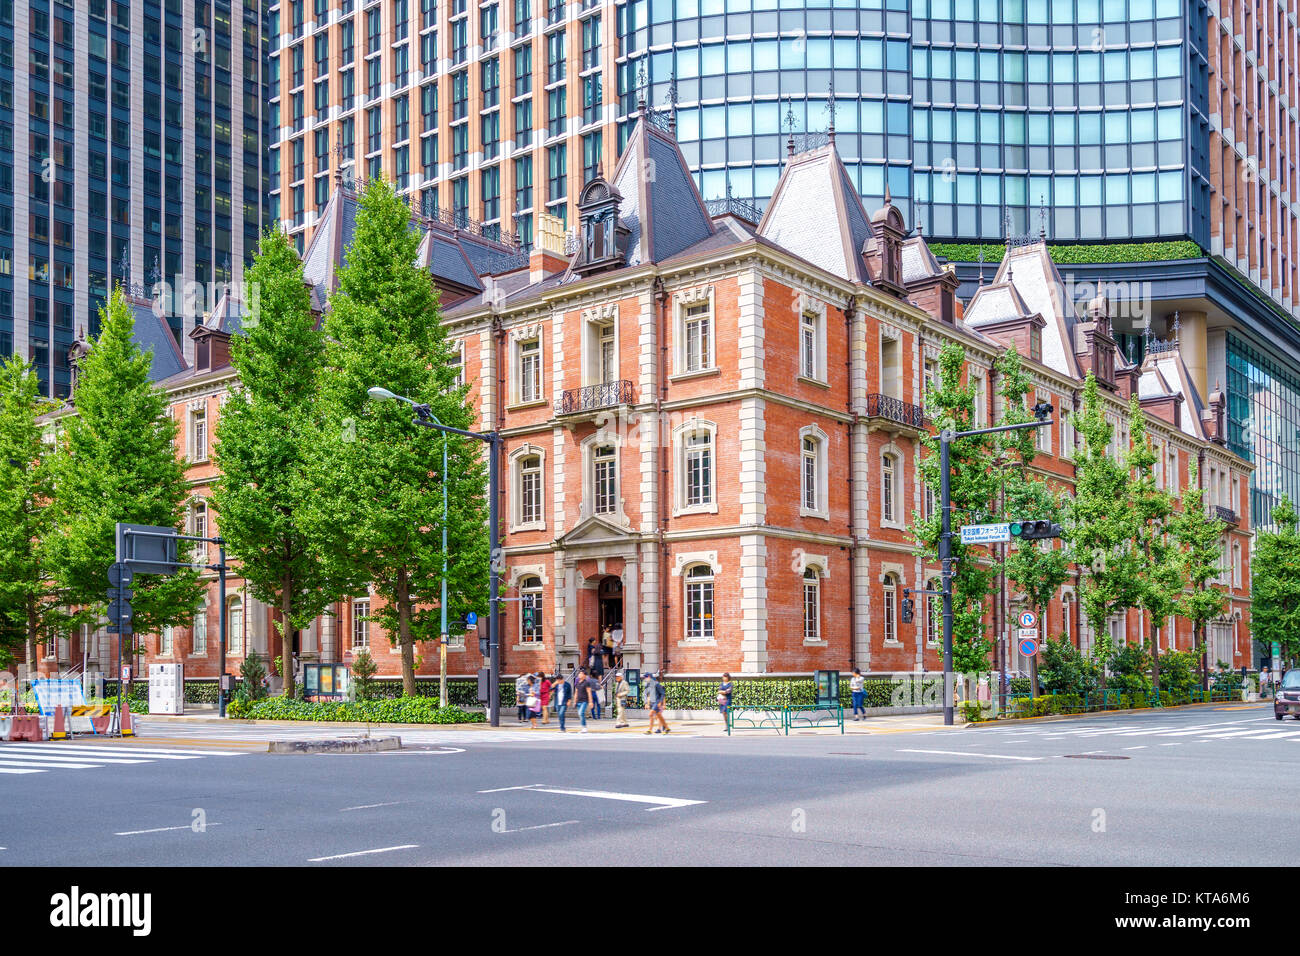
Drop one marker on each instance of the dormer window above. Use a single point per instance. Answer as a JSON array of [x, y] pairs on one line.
[[604, 239]]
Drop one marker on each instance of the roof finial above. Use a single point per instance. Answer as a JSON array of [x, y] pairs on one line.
[[789, 125], [889, 200], [1006, 225], [642, 81], [981, 263], [1042, 218], [672, 103], [1175, 325], [830, 107]]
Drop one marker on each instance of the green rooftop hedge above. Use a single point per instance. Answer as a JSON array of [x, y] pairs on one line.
[[1077, 254]]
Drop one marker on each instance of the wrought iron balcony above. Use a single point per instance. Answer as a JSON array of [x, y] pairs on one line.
[[575, 401], [895, 410], [1225, 514]]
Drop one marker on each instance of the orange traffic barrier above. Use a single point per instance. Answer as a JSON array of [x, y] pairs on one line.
[[127, 729], [60, 724]]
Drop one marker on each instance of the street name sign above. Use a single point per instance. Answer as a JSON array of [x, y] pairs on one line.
[[985, 533]]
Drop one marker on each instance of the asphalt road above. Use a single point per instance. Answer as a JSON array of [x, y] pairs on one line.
[[1194, 786]]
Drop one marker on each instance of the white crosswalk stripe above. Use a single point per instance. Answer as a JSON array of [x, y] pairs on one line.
[[255, 734], [33, 758], [1252, 728]]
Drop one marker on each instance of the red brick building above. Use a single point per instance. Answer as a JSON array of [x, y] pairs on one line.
[[712, 428]]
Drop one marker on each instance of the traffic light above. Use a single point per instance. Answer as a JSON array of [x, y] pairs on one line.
[[484, 647], [1035, 530], [529, 618], [907, 610]]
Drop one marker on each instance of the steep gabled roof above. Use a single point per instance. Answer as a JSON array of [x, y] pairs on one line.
[[446, 260], [1033, 273], [226, 316], [918, 261], [153, 335], [661, 206], [817, 214], [992, 304], [327, 252]]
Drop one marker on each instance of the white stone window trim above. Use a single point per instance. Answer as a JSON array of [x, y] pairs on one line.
[[810, 307], [891, 587], [520, 337], [930, 604], [823, 509], [895, 454], [588, 505], [682, 301], [195, 411], [519, 579], [684, 559], [682, 570], [516, 460], [679, 435], [802, 564]]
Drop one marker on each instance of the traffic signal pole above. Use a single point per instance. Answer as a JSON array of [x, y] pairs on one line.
[[947, 436]]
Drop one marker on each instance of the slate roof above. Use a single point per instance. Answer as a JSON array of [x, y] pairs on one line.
[[999, 302], [817, 214], [446, 259], [327, 251], [663, 211], [918, 261], [154, 337], [1042, 290], [227, 316]]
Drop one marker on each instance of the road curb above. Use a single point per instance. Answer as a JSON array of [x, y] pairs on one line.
[[342, 745], [1002, 722]]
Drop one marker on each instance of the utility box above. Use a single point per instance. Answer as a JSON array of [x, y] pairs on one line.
[[166, 689]]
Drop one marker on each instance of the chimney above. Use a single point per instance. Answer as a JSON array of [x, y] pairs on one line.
[[547, 257], [1093, 345], [937, 295], [1213, 418]]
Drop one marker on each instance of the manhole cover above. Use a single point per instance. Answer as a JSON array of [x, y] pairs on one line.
[[1094, 757]]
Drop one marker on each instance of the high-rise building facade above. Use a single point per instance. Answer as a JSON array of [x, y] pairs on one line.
[[485, 114], [132, 148]]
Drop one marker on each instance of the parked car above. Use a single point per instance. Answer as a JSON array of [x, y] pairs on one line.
[[1287, 698]]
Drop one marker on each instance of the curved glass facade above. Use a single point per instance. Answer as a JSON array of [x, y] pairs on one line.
[[970, 112]]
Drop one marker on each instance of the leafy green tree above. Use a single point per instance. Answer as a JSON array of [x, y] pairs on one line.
[[116, 461], [1066, 670], [951, 404], [376, 517], [1275, 583], [1199, 535], [34, 606], [1150, 509], [1101, 527], [1037, 568], [262, 441]]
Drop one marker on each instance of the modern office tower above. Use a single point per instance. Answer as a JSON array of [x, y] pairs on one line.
[[131, 146], [485, 114]]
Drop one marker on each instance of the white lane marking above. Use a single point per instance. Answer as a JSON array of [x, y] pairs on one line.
[[382, 849], [527, 786], [73, 757], [1231, 733], [541, 826], [1179, 744], [160, 830], [967, 753], [6, 770], [151, 753], [49, 765], [662, 803], [371, 806], [1276, 735], [1138, 747]]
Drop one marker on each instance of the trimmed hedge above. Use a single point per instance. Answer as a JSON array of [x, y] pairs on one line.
[[400, 710], [1077, 254]]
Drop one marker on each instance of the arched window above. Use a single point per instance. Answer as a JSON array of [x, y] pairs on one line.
[[199, 636], [812, 605], [697, 468], [811, 454], [235, 627], [530, 610], [888, 488], [891, 608], [1067, 616], [530, 489], [699, 603], [934, 613], [605, 479]]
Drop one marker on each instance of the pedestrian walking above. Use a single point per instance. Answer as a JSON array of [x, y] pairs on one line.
[[621, 691], [607, 645], [655, 697], [544, 692], [521, 695], [857, 685], [533, 702], [585, 694], [596, 664], [561, 694], [724, 697]]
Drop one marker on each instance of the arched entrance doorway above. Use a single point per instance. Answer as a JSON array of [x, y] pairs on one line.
[[610, 596]]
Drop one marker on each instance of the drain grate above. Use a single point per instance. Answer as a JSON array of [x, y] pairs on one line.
[[1095, 757]]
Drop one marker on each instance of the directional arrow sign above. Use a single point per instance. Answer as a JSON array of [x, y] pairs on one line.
[[985, 533], [1028, 619]]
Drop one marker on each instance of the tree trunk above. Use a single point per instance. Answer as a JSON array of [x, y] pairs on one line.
[[404, 635], [286, 636], [1155, 657]]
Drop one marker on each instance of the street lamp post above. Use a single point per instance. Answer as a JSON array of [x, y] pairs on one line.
[[1042, 415], [424, 417]]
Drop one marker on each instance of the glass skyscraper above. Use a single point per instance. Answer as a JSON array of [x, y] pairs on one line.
[[132, 146]]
